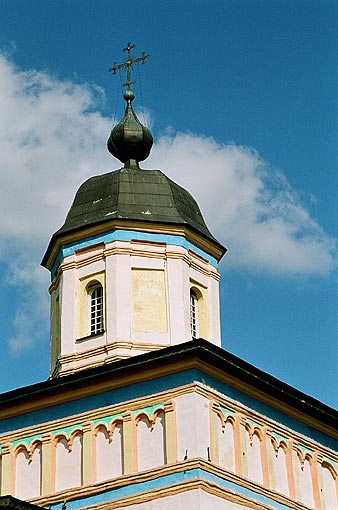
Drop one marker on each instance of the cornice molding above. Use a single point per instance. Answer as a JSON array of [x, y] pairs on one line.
[[212, 248], [169, 490]]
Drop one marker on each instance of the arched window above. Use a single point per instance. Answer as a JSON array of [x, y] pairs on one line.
[[194, 316], [95, 293]]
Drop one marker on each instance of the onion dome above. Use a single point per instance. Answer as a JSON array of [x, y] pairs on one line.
[[129, 139]]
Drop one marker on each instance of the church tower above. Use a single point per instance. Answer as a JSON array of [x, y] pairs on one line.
[[134, 267]]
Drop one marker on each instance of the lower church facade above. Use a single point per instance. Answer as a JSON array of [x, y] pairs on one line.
[[190, 426]]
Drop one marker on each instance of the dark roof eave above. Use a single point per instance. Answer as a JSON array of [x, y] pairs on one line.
[[200, 350], [10, 503]]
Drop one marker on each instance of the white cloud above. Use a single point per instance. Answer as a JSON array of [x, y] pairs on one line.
[[52, 137], [51, 140], [250, 207]]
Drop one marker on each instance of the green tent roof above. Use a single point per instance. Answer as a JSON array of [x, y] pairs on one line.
[[134, 194]]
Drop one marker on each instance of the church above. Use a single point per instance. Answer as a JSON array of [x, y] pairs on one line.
[[143, 409]]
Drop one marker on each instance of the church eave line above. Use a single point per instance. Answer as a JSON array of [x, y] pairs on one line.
[[191, 354]]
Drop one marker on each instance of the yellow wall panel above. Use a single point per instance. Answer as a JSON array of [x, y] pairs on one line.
[[149, 304]]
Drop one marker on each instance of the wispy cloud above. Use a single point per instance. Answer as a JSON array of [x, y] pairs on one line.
[[53, 137]]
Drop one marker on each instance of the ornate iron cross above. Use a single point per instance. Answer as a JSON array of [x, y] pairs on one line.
[[128, 64]]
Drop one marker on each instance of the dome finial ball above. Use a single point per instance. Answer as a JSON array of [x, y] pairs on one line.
[[129, 95]]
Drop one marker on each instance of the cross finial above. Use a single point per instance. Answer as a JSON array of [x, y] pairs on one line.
[[128, 64]]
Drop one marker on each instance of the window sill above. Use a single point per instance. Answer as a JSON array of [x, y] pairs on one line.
[[88, 337]]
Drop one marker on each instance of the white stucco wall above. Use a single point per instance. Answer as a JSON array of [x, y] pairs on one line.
[[226, 445], [109, 454], [68, 464], [303, 480], [253, 458], [329, 492], [192, 410], [280, 471], [150, 442], [28, 474]]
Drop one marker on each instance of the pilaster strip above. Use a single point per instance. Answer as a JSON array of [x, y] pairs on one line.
[[8, 470], [170, 433], [87, 453], [214, 438], [270, 453], [265, 447], [291, 469], [46, 464], [315, 466], [240, 445], [128, 441]]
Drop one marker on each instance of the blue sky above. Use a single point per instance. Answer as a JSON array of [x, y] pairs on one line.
[[241, 97]]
